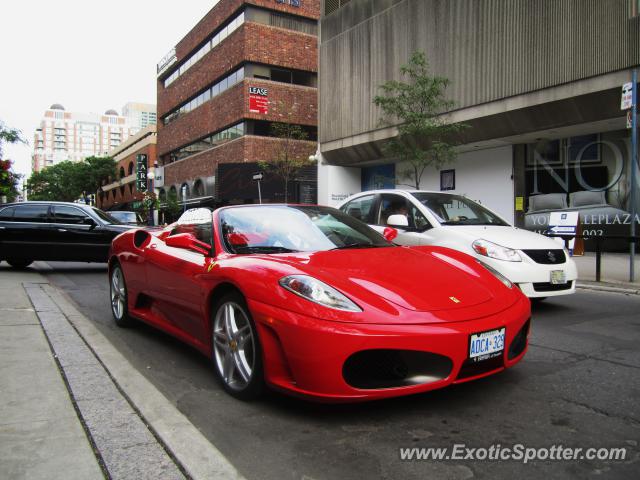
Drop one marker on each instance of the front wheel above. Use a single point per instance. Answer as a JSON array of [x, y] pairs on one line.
[[118, 295], [236, 348]]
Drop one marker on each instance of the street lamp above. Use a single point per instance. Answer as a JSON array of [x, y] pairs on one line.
[[151, 177]]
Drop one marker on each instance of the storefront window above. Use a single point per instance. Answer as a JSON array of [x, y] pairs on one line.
[[589, 174]]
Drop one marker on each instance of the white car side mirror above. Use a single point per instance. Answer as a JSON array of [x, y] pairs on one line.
[[397, 221]]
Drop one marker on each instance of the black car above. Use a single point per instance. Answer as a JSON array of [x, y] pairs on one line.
[[58, 231]]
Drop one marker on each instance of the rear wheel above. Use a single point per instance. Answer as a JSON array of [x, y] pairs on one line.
[[236, 349], [118, 292], [19, 263]]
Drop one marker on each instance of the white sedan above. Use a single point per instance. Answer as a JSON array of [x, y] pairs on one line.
[[539, 265]]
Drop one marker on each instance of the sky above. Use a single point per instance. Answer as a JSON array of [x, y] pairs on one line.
[[87, 55]]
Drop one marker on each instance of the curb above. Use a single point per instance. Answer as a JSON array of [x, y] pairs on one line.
[[609, 287], [193, 452]]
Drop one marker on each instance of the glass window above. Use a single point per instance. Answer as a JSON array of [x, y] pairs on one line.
[[31, 213], [360, 208], [392, 205], [457, 210], [277, 229], [6, 213], [69, 215]]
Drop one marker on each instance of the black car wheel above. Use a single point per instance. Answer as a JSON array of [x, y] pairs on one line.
[[118, 292], [19, 263], [236, 348]]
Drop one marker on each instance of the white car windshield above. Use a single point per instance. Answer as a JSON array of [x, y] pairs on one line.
[[457, 210]]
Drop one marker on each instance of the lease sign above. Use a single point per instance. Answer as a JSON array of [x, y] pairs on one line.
[[258, 100]]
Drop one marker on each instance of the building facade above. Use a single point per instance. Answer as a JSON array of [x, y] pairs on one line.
[[74, 136], [122, 192], [140, 115], [537, 81], [244, 66]]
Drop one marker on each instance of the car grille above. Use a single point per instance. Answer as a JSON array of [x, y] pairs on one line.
[[387, 368], [471, 369], [547, 257], [551, 287]]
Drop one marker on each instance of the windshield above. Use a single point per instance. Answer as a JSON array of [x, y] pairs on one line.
[[105, 217], [280, 229], [457, 210]]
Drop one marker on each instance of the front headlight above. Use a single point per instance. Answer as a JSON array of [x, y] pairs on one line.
[[318, 292], [493, 250], [507, 283]]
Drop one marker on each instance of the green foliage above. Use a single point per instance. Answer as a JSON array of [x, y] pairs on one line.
[[9, 135], [9, 180], [67, 181], [424, 139], [287, 160], [171, 208]]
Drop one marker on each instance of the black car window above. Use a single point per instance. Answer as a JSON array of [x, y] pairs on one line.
[[31, 213], [6, 213], [391, 204], [68, 215], [360, 208]]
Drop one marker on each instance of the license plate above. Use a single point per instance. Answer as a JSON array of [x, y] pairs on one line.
[[485, 345], [558, 277]]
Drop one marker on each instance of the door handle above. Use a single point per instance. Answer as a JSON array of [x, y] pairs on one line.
[[62, 229]]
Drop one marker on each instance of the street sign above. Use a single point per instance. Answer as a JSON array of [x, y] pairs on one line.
[[257, 176], [567, 224], [141, 173], [626, 101]]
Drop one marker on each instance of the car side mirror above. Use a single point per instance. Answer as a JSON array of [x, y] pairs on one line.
[[389, 234], [398, 221], [89, 221], [189, 242]]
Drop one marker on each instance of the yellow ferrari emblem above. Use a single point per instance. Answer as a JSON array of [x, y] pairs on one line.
[[454, 300], [210, 267]]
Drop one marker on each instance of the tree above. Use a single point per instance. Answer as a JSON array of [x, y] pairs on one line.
[[288, 157], [424, 139], [67, 181], [59, 182], [9, 180], [171, 208]]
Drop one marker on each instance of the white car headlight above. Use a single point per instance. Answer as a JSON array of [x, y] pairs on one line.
[[318, 292], [507, 283], [493, 250]]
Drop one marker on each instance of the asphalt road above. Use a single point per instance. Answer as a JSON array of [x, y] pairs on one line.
[[578, 386]]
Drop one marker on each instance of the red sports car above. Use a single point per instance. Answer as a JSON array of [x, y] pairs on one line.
[[312, 302]]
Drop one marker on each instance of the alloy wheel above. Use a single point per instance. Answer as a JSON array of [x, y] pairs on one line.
[[118, 294], [234, 346]]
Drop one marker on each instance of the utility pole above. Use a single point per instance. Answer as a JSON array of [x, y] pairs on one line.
[[634, 166]]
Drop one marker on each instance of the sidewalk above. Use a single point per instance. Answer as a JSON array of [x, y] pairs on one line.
[[614, 273], [71, 406]]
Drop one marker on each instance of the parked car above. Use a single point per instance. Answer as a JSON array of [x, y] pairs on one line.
[[124, 216], [539, 265], [57, 231], [314, 303]]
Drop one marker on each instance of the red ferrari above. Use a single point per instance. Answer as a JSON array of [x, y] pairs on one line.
[[312, 302]]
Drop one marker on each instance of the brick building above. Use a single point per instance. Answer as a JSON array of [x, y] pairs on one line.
[[121, 192], [245, 65]]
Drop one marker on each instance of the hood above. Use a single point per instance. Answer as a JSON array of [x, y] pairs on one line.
[[119, 227], [507, 236], [421, 280]]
